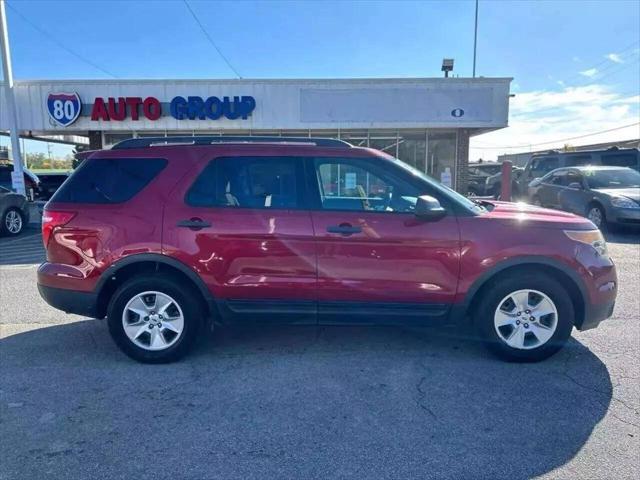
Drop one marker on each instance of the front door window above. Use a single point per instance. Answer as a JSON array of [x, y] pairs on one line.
[[348, 185]]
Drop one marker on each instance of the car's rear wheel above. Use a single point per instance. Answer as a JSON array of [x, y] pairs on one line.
[[12, 222], [536, 201], [154, 319], [525, 317]]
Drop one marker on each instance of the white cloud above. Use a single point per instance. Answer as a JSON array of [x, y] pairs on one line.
[[589, 73], [546, 116], [614, 57]]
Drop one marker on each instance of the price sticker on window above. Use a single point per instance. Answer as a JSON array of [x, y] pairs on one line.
[[350, 180]]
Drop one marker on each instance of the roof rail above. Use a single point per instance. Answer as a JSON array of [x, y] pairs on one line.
[[214, 139]]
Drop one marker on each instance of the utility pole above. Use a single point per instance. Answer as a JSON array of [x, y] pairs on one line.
[[475, 41], [17, 178]]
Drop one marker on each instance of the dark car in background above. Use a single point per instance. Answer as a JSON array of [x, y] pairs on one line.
[[493, 184], [605, 195], [49, 184], [478, 174], [14, 214], [31, 180], [541, 164]]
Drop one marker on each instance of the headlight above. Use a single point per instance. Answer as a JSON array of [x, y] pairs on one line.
[[624, 202], [589, 237]]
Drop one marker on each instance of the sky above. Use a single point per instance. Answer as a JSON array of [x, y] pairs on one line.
[[575, 64]]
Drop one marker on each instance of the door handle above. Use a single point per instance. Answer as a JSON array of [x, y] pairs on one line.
[[344, 229], [194, 223]]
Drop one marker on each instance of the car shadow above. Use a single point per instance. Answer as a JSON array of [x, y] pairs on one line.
[[289, 401]]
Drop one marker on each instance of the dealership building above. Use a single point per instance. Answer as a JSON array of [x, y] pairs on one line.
[[425, 122]]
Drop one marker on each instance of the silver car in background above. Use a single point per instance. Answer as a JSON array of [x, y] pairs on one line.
[[605, 195], [14, 212]]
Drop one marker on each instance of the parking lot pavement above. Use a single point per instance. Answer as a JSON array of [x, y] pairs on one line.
[[303, 402]]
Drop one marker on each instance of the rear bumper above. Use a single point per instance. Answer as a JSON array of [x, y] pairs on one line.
[[70, 301]]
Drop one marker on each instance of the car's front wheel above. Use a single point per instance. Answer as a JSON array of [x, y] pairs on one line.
[[12, 222], [526, 316], [596, 214], [154, 319]]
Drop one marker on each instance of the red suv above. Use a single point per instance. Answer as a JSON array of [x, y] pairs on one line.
[[166, 238]]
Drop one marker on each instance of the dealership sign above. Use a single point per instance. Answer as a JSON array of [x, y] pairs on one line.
[[64, 108]]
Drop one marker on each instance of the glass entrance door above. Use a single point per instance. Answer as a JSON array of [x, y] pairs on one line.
[[441, 157]]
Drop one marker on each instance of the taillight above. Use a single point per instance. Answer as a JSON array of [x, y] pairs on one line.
[[51, 220]]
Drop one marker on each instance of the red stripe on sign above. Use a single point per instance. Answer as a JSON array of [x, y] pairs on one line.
[[62, 97]]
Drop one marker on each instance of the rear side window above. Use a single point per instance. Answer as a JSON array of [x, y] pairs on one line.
[[540, 166], [576, 160], [621, 160], [109, 180], [248, 182]]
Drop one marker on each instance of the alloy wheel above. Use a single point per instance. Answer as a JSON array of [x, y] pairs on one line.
[[525, 319], [153, 320], [13, 221], [595, 215]]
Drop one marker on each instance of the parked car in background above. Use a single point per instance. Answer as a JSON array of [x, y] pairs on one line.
[[478, 174], [31, 180], [49, 184], [605, 195], [493, 184], [164, 239], [539, 165], [14, 212]]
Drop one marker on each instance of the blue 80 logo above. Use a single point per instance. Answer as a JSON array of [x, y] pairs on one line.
[[64, 108], [457, 112]]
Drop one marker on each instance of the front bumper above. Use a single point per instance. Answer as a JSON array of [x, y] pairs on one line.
[[594, 314], [71, 301], [628, 216]]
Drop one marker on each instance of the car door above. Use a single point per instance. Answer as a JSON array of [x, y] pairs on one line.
[[575, 195], [244, 228], [552, 184], [376, 260]]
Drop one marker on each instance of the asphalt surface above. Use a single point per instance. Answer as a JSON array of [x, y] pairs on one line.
[[304, 402]]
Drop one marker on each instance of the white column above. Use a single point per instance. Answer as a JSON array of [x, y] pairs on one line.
[[17, 179]]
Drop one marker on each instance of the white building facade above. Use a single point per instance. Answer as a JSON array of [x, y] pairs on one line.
[[426, 122]]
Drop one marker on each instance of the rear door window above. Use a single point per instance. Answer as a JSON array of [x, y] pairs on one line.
[[249, 182], [541, 166], [556, 178], [576, 160], [572, 177], [621, 160], [108, 180]]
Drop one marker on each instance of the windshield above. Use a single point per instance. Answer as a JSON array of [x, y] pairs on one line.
[[449, 192], [626, 178]]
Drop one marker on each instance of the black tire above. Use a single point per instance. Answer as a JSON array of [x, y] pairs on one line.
[[535, 200], [600, 210], [188, 302], [533, 280], [4, 227]]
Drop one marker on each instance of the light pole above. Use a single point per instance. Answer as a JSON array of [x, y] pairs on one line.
[[475, 40], [17, 178]]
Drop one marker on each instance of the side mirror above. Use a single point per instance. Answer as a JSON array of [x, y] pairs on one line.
[[575, 186], [428, 208]]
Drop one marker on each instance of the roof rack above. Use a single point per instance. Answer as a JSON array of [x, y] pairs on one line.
[[214, 139]]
